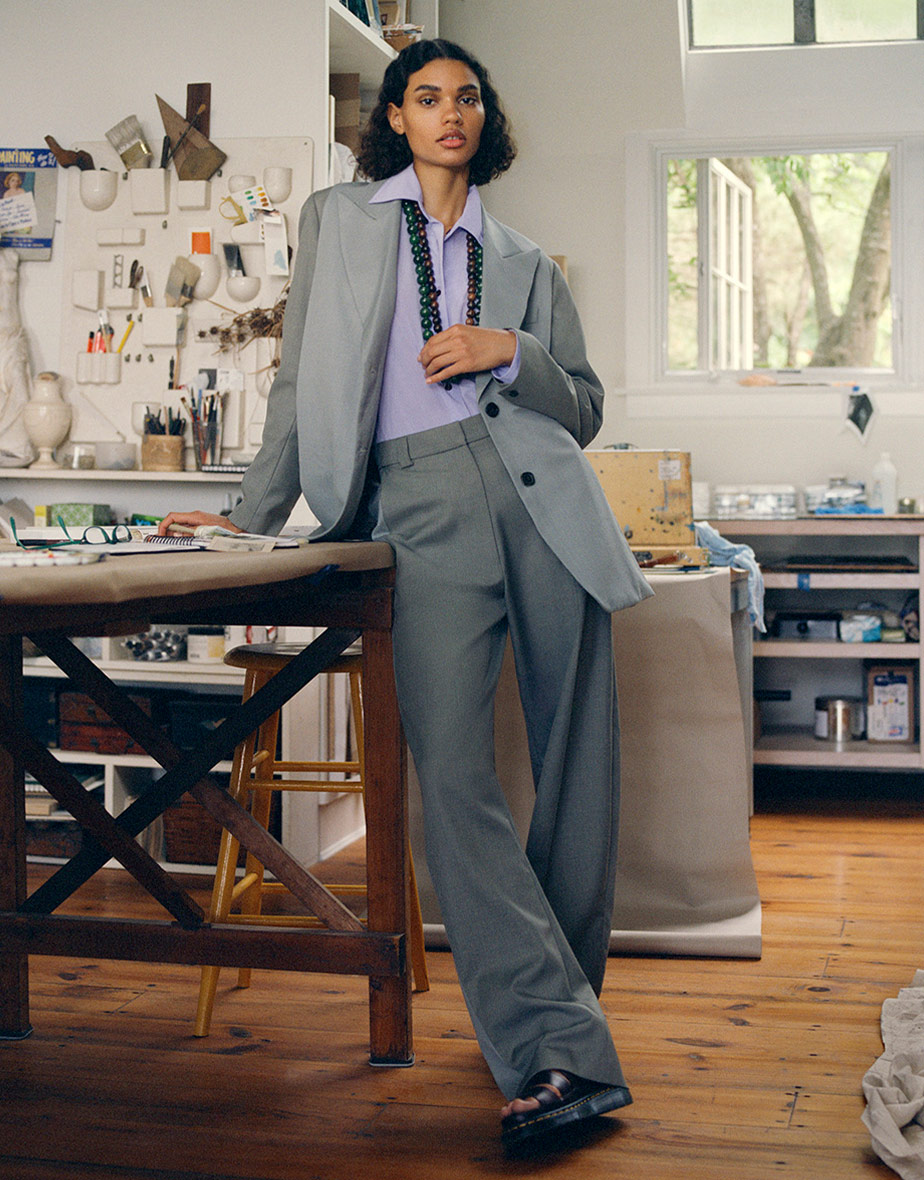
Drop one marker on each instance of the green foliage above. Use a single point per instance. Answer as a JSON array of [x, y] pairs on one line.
[[835, 190]]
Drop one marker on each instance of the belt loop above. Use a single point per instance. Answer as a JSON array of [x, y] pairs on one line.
[[403, 458]]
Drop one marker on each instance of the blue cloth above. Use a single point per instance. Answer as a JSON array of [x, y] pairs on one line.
[[723, 552]]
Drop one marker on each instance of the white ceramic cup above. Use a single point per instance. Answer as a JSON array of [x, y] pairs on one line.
[[139, 409], [98, 188], [209, 275], [277, 183], [243, 288]]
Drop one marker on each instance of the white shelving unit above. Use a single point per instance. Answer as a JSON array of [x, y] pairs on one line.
[[810, 668], [339, 44]]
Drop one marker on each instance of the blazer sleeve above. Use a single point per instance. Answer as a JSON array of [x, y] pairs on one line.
[[270, 485], [557, 380]]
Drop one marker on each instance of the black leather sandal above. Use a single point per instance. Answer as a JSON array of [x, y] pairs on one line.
[[577, 1099]]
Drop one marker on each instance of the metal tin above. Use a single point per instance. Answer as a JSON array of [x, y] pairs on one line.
[[840, 719]]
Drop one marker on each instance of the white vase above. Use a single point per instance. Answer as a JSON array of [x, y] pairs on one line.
[[47, 418]]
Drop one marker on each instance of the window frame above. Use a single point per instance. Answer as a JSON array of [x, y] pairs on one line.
[[646, 260], [804, 29]]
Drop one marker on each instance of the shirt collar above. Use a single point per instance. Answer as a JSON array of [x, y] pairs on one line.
[[404, 186]]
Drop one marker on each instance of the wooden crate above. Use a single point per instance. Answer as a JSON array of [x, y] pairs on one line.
[[83, 725]]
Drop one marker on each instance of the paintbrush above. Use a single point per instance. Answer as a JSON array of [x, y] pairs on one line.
[[128, 140]]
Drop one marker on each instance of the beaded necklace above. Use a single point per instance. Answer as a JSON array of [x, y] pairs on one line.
[[430, 321]]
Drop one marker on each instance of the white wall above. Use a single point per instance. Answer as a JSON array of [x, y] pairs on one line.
[[576, 79]]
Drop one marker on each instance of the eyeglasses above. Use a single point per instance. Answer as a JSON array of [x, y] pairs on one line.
[[93, 534]]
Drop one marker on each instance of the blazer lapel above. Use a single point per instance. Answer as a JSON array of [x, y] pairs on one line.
[[369, 244]]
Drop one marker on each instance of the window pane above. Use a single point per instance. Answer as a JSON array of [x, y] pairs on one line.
[[682, 266], [742, 22], [796, 276], [865, 20]]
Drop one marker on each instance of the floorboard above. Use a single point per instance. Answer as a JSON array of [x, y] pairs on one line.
[[740, 1070]]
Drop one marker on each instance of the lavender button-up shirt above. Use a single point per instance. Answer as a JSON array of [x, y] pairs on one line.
[[408, 404]]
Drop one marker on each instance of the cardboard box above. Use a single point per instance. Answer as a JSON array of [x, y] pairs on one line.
[[651, 495], [890, 703]]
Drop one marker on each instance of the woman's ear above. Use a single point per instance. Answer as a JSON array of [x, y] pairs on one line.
[[395, 119]]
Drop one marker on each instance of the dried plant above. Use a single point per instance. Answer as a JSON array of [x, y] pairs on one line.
[[256, 323]]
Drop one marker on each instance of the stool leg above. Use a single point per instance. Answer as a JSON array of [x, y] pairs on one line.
[[220, 904]]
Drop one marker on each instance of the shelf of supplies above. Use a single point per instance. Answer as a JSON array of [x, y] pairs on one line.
[[94, 758], [143, 672], [834, 649], [98, 473], [355, 48], [833, 580], [822, 526], [800, 747]]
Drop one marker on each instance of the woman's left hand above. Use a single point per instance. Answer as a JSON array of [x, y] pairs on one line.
[[464, 348]]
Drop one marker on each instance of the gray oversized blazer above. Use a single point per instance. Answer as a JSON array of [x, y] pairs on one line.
[[321, 414]]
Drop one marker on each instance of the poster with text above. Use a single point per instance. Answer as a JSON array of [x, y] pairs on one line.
[[28, 197]]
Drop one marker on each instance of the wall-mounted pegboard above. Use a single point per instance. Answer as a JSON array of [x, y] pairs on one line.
[[152, 221]]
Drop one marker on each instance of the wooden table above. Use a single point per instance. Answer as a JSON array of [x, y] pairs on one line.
[[345, 588]]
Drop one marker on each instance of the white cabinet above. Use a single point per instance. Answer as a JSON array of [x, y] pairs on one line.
[[811, 564]]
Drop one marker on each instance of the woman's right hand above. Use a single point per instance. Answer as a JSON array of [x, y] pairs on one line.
[[191, 520]]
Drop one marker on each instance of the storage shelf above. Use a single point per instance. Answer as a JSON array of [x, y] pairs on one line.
[[831, 580], [143, 672], [354, 48], [98, 473], [93, 758], [907, 525], [800, 669], [834, 649], [797, 747]]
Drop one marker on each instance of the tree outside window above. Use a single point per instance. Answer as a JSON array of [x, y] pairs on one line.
[[797, 276]]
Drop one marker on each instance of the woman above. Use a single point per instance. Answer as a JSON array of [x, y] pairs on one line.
[[461, 446]]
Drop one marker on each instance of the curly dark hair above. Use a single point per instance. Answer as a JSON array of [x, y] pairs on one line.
[[383, 153]]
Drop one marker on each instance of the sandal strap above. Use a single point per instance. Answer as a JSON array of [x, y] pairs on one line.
[[538, 1087]]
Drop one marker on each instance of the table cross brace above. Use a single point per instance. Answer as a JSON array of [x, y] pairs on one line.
[[186, 770]]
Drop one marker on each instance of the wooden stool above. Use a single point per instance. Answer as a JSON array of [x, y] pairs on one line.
[[253, 772]]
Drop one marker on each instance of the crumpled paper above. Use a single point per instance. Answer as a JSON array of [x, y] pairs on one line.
[[894, 1086]]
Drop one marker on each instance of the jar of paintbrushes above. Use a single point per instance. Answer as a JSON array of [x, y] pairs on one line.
[[205, 410], [162, 441]]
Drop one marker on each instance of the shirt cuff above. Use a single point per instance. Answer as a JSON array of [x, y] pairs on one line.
[[505, 374]]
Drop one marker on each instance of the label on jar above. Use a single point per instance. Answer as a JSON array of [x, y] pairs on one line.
[[205, 647]]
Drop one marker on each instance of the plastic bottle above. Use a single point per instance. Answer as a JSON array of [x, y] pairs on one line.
[[885, 486]]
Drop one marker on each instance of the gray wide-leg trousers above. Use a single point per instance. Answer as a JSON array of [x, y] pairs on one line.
[[528, 930]]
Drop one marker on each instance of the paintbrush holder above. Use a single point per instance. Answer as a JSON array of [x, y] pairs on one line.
[[149, 189], [98, 189], [162, 452]]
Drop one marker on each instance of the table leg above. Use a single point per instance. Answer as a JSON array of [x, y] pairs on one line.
[[391, 1040], [14, 969]]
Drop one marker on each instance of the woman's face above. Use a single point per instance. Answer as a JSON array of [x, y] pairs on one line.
[[441, 115], [13, 181]]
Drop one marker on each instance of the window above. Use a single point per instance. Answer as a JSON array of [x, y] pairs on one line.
[[776, 262], [722, 23]]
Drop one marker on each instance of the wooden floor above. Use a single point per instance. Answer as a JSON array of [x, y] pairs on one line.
[[739, 1069]]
